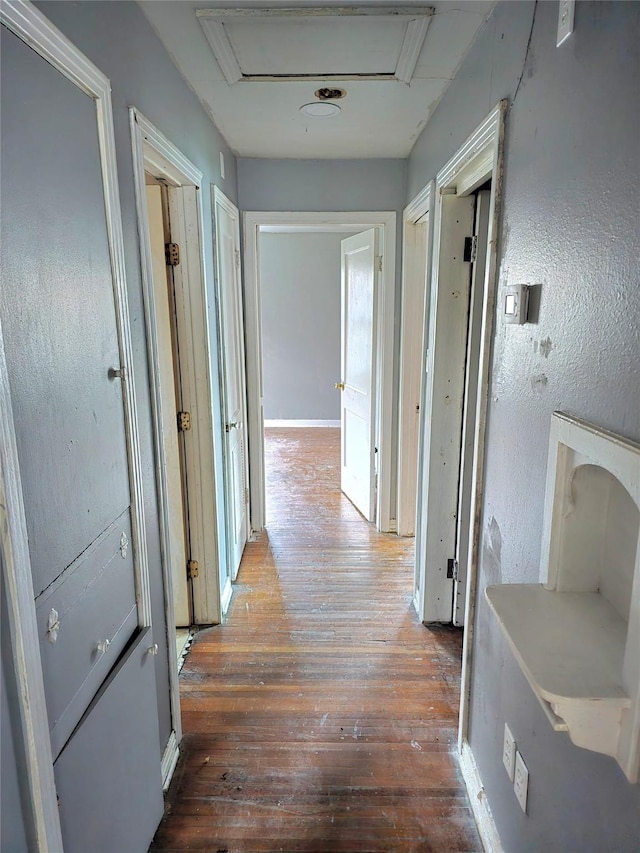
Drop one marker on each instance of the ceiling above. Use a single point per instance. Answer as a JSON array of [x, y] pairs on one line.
[[254, 64]]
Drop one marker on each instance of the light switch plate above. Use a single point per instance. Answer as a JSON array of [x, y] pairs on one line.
[[509, 752], [565, 20]]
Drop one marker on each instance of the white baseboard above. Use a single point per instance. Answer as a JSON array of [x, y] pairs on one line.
[[169, 760], [301, 423], [478, 799]]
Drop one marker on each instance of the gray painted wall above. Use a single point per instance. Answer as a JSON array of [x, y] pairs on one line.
[[570, 224], [120, 41], [300, 289], [321, 184]]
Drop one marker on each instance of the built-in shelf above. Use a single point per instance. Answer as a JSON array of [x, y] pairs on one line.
[[576, 636]]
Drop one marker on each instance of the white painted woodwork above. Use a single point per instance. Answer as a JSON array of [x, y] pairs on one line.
[[469, 406], [385, 222], [478, 801], [417, 231], [488, 135], [261, 117], [352, 41], [232, 360], [448, 320], [358, 358], [167, 361], [576, 636]]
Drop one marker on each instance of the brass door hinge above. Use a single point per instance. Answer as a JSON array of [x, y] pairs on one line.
[[193, 569], [184, 421], [172, 254]]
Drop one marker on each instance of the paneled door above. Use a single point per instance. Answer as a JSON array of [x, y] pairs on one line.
[[64, 328], [232, 362], [358, 382]]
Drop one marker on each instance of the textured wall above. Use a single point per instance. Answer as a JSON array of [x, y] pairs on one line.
[[300, 289], [570, 225]]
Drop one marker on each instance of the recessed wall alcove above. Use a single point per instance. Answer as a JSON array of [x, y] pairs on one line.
[[576, 635]]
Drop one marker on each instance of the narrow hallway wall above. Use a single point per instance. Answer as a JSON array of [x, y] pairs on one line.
[[570, 227]]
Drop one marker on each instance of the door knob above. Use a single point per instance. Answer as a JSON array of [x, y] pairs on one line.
[[340, 386], [231, 426]]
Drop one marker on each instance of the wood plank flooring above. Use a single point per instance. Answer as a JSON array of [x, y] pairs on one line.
[[321, 716]]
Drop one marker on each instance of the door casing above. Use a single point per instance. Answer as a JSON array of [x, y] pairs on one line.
[[478, 160], [417, 234], [322, 221], [155, 154]]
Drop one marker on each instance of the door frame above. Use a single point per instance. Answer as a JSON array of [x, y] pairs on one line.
[[416, 276], [219, 199], [155, 154], [479, 159], [42, 817], [322, 221]]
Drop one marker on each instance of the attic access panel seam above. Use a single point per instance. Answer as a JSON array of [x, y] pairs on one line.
[[212, 22]]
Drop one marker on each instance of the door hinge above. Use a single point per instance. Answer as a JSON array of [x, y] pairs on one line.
[[379, 263], [470, 249], [193, 569], [237, 257], [172, 254], [452, 569], [246, 496], [184, 421]]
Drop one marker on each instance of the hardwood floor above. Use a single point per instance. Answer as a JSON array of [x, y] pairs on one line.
[[321, 716]]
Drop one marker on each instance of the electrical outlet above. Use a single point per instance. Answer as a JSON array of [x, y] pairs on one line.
[[521, 782], [509, 752], [565, 20]]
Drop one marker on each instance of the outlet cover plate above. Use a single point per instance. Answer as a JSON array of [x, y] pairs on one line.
[[521, 782], [509, 752], [565, 20]]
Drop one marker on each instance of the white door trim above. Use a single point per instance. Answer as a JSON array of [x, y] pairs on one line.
[[492, 132], [416, 266], [480, 158], [154, 153], [30, 25], [386, 221], [219, 199]]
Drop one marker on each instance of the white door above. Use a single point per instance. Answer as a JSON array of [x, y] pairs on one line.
[[442, 421], [358, 382], [167, 362], [227, 233]]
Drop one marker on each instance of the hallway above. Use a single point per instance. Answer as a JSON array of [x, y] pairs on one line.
[[321, 716]]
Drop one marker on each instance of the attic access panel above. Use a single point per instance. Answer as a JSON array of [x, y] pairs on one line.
[[352, 42]]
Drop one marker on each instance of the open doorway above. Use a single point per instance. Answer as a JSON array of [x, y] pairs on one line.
[[383, 224], [178, 332]]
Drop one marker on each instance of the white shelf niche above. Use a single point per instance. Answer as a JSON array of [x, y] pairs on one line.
[[576, 636]]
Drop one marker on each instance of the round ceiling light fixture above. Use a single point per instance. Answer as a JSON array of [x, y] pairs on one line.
[[320, 109]]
